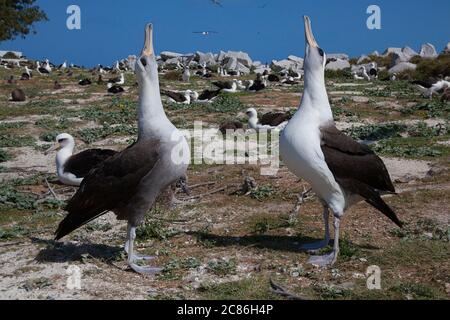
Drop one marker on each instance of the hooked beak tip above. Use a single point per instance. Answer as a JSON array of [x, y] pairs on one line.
[[148, 41], [308, 32]]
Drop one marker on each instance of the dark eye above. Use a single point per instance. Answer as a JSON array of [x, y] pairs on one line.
[[144, 62], [61, 140], [321, 52]]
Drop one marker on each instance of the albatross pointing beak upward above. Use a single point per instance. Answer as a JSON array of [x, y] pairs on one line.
[[147, 51], [309, 35]]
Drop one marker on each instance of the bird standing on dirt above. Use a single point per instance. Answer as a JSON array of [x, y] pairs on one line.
[[341, 171], [130, 182]]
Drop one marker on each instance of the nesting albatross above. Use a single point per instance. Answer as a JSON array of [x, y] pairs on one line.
[[340, 170], [129, 182], [71, 169]]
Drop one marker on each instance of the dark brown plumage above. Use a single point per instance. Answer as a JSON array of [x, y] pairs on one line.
[[230, 125], [208, 95], [85, 82], [223, 84], [275, 118], [177, 96], [57, 85], [17, 95], [357, 169], [111, 186], [82, 163]]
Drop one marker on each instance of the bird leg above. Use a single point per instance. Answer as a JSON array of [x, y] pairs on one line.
[[300, 200], [132, 257], [316, 246], [328, 259]]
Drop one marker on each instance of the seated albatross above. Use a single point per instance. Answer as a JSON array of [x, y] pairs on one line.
[[129, 182], [340, 171], [71, 169]]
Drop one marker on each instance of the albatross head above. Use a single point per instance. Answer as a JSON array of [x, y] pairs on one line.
[[63, 141], [146, 66], [315, 58]]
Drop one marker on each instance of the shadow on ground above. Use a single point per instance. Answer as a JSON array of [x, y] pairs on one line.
[[61, 252], [280, 243]]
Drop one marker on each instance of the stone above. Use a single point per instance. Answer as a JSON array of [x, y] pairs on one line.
[[375, 53], [231, 63], [428, 51], [240, 56], [341, 56], [286, 65], [173, 61], [362, 58], [256, 64], [205, 58], [166, 55], [409, 52], [296, 59], [242, 69], [388, 51], [402, 66], [338, 64], [398, 58]]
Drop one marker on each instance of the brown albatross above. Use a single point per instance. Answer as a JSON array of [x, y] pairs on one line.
[[340, 170], [129, 182]]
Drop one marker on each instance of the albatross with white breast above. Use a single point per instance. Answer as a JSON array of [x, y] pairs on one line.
[[71, 169], [129, 183], [340, 170]]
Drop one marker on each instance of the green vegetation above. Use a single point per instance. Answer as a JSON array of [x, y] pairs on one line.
[[4, 156], [225, 103], [376, 132], [262, 193], [9, 140]]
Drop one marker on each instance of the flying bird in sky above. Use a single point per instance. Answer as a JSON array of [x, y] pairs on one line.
[[205, 33]]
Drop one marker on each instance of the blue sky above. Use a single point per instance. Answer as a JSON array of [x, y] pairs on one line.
[[114, 29]]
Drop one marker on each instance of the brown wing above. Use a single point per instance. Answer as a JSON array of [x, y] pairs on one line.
[[83, 162], [357, 169], [178, 97], [113, 182], [223, 84], [347, 158], [274, 118]]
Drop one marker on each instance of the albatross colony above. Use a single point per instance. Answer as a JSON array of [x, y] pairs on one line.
[[129, 182], [340, 170]]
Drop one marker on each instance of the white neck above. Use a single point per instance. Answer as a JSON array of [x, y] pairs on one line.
[[62, 156], [253, 122], [152, 117], [315, 97]]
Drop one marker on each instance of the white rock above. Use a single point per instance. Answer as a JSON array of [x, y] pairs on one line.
[[341, 56], [409, 52], [399, 57], [166, 55], [362, 58], [392, 50], [375, 53], [428, 51], [242, 57], [286, 65], [402, 66], [296, 59], [205, 58], [338, 64]]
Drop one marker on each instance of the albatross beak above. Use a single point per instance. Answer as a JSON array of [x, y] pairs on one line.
[[309, 35], [148, 42], [52, 148]]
